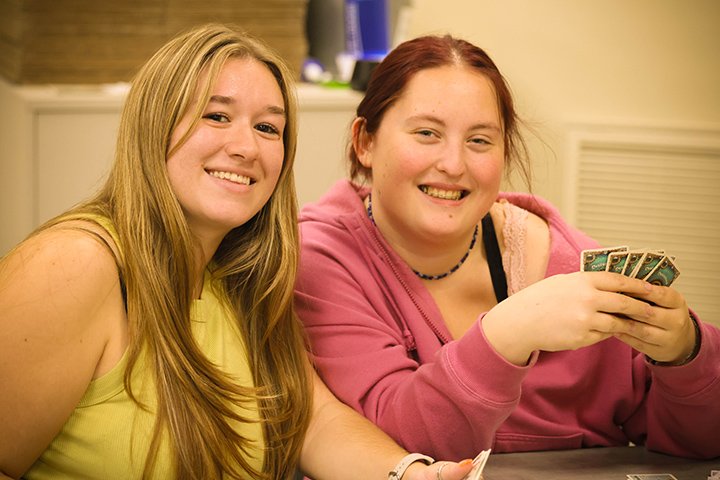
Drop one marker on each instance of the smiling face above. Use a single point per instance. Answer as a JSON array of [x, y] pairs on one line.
[[437, 157], [226, 170]]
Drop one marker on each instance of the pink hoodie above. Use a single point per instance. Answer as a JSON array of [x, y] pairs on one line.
[[380, 343]]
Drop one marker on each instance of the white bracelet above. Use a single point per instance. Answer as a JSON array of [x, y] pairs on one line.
[[399, 470]]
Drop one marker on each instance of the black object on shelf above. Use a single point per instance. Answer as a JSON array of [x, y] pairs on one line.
[[361, 74]]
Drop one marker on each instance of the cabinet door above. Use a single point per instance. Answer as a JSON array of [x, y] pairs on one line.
[[74, 154], [320, 160]]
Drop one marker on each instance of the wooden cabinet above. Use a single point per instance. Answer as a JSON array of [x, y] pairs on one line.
[[57, 143]]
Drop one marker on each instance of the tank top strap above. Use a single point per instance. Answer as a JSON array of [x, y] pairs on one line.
[[494, 259]]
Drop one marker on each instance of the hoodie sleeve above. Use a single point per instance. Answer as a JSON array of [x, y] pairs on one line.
[[678, 409], [682, 412]]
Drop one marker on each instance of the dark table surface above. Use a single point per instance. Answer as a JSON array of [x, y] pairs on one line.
[[611, 463]]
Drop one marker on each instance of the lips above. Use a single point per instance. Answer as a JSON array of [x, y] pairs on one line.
[[443, 194]]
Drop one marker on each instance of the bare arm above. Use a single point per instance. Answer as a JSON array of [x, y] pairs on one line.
[[57, 292], [340, 443]]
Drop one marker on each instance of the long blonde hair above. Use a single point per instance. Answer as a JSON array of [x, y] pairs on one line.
[[256, 263]]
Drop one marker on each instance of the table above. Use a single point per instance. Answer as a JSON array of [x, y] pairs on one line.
[[606, 463]]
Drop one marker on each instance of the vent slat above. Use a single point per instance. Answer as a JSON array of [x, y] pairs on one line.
[[655, 195]]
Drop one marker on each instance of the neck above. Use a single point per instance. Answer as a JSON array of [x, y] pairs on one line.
[[203, 256], [443, 271]]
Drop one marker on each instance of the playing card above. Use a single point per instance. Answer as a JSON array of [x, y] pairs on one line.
[[647, 263], [616, 262], [632, 262], [664, 273], [651, 476], [595, 260], [478, 465]]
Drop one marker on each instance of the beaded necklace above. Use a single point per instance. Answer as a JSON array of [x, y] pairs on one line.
[[423, 275]]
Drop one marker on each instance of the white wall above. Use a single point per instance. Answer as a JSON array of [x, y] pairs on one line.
[[57, 144], [633, 62]]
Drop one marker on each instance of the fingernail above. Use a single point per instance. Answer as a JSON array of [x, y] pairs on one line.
[[467, 461]]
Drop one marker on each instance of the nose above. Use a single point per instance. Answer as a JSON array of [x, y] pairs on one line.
[[242, 142], [451, 161]]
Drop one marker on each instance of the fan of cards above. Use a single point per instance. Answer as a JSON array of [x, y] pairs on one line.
[[653, 266], [651, 476], [478, 465]]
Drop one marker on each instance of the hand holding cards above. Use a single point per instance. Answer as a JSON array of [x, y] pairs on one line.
[[478, 466], [653, 266]]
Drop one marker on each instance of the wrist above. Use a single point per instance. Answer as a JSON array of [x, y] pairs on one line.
[[693, 353], [505, 341], [408, 461]]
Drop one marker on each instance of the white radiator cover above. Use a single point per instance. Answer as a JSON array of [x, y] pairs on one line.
[[654, 187]]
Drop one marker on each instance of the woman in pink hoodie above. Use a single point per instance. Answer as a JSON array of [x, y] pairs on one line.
[[454, 316]]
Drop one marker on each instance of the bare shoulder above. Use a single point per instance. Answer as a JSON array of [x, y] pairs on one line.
[[537, 227], [60, 304], [61, 261], [65, 240], [537, 247]]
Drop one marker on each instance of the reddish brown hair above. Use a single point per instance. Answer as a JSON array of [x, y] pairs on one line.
[[391, 76]]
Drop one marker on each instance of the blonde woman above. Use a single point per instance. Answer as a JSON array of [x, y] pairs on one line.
[[149, 332]]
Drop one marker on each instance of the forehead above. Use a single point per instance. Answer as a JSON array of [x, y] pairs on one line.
[[246, 75], [449, 84]]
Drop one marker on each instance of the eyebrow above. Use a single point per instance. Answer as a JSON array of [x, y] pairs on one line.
[[477, 126], [221, 99], [225, 100]]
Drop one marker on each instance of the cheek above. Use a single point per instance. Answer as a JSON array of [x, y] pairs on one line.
[[409, 160], [495, 169], [172, 165], [176, 165], [184, 172], [273, 169], [177, 180], [491, 168]]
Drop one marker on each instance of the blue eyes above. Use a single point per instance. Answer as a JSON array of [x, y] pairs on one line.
[[267, 128], [260, 127], [217, 117]]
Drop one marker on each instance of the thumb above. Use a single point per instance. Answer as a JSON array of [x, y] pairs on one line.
[[448, 470]]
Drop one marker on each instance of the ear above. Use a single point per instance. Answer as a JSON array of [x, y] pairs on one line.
[[361, 142]]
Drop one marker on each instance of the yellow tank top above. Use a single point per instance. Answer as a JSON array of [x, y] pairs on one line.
[[107, 436]]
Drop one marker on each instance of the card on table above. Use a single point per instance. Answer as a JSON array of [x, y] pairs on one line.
[[651, 476]]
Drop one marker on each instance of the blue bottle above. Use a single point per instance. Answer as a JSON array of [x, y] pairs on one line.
[[367, 28]]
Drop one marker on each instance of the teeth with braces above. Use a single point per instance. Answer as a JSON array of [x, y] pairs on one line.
[[233, 177], [443, 194]]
